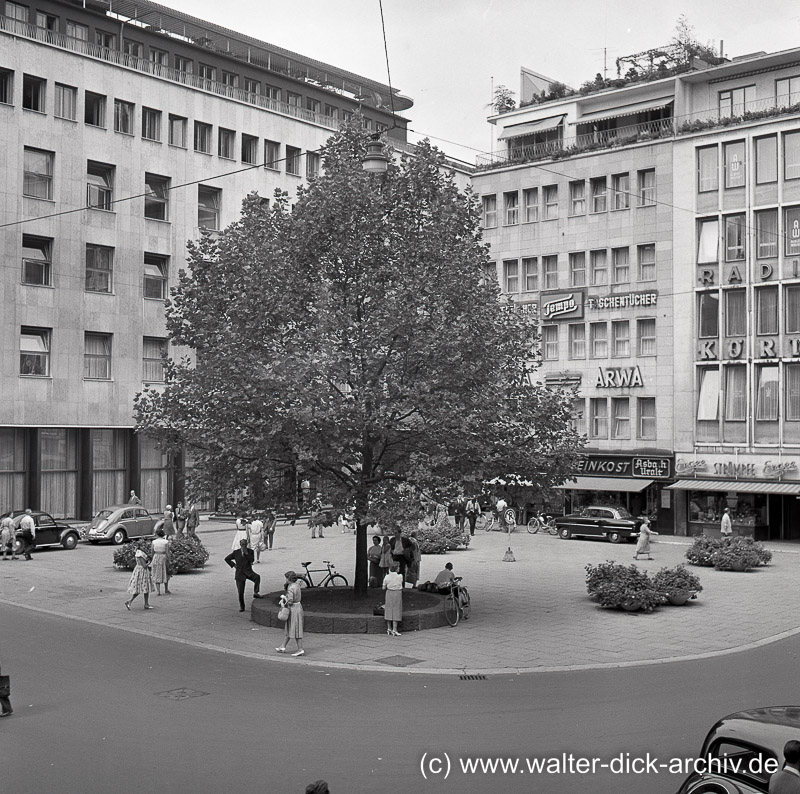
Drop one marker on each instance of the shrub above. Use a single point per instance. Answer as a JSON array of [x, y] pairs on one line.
[[597, 575], [186, 552], [736, 556], [618, 585], [677, 580], [441, 537], [764, 554], [702, 551], [727, 554]]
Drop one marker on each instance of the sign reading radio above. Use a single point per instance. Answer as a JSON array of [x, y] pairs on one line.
[[563, 307], [653, 468]]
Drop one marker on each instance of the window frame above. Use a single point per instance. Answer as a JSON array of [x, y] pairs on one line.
[[293, 158], [732, 313], [511, 276], [90, 358], [620, 420], [44, 263], [649, 417], [94, 109], [735, 228], [60, 91], [598, 420], [211, 208], [760, 157], [176, 131], [550, 342], [34, 93], [151, 124], [621, 268], [708, 314], [641, 264], [124, 117], [550, 198], [150, 361], [620, 192], [576, 333], [35, 177], [272, 155], [709, 394], [99, 270], [598, 255], [550, 274], [577, 198], [599, 195], [203, 137], [620, 343], [103, 193], [161, 262], [157, 194], [530, 274], [531, 207], [45, 337], [646, 337], [489, 206], [767, 238], [767, 320], [646, 192], [598, 341], [226, 143], [733, 167], [577, 269], [511, 208], [707, 171]]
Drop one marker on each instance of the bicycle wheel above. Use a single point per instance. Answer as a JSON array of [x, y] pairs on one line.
[[337, 580], [490, 522], [551, 527], [465, 603], [451, 612], [480, 522], [303, 581], [533, 525]]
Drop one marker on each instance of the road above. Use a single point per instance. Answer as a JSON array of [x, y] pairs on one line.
[[89, 717]]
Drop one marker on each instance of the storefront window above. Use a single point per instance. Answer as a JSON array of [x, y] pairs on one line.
[[747, 509], [12, 469], [58, 451], [109, 457]]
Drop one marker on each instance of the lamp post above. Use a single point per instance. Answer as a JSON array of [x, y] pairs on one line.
[[375, 161]]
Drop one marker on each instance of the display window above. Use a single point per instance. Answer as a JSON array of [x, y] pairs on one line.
[[747, 509]]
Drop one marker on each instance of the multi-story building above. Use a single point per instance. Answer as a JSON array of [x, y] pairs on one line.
[[655, 228], [128, 130]]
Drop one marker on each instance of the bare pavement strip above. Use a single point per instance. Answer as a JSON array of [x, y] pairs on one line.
[[531, 615]]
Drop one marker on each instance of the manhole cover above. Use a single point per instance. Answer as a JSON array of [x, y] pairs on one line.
[[399, 661], [181, 694]]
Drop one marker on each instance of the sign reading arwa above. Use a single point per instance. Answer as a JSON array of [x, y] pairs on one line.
[[618, 377]]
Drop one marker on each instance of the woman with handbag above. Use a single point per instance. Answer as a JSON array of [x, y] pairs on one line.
[[5, 696], [141, 579], [294, 620], [393, 603]]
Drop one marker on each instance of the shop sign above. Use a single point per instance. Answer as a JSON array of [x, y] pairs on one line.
[[530, 308], [773, 469], [563, 307], [651, 468], [626, 301], [684, 467], [618, 377], [736, 468]]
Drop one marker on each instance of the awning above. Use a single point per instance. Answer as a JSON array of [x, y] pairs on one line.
[[625, 110], [606, 484], [516, 130], [791, 488]]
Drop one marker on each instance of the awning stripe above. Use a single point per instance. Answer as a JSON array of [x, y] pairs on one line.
[[542, 125], [606, 484], [790, 488], [624, 110]]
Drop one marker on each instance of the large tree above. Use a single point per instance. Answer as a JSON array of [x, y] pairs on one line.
[[356, 335]]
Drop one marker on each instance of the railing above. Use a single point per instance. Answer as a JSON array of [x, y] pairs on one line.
[[28, 31]]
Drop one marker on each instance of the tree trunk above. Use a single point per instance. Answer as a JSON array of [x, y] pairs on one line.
[[361, 581]]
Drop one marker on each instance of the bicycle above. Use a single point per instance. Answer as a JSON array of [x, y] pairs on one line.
[[543, 521], [507, 522], [333, 578], [456, 602]]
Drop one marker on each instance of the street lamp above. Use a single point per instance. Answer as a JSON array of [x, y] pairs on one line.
[[375, 161]]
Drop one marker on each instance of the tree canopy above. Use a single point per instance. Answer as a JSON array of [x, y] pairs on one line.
[[357, 336]]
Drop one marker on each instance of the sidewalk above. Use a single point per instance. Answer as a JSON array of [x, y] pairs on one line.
[[531, 615]]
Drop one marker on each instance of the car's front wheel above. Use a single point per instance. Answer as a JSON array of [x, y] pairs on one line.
[[614, 537], [70, 541], [119, 537], [564, 533]]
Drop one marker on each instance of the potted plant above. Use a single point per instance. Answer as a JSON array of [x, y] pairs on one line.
[[677, 585], [702, 551], [736, 556], [623, 587]]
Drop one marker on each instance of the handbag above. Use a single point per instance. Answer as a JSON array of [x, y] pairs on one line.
[[284, 613]]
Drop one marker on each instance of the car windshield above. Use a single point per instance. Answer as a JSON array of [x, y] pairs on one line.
[[103, 514]]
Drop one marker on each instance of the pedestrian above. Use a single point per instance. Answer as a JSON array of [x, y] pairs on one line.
[[192, 519], [141, 579], [241, 531], [270, 522], [725, 528], [386, 558], [8, 538], [643, 544], [402, 552], [169, 522], [305, 492], [412, 571], [460, 511], [134, 500], [158, 568], [316, 518], [787, 779], [374, 554], [255, 537], [242, 561], [473, 508], [27, 532], [5, 696], [180, 518], [393, 606], [444, 578], [294, 626]]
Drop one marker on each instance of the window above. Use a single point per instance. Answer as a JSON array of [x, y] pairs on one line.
[[331, 114], [208, 200], [550, 268], [550, 202], [735, 101], [598, 336], [182, 64], [598, 262], [735, 312], [314, 105], [787, 91], [708, 315], [708, 242], [6, 87], [154, 351], [647, 187], [766, 159], [577, 198], [733, 164], [767, 310], [37, 181], [489, 274], [647, 417], [579, 416], [37, 258], [735, 394], [133, 49], [622, 268], [792, 374], [158, 57], [577, 269], [511, 208], [249, 149], [177, 131], [229, 79], [123, 117], [293, 160], [272, 155], [550, 342], [202, 137], [621, 338], [156, 200], [621, 414], [47, 22], [156, 268], [97, 356], [103, 39], [767, 393], [599, 194], [151, 124], [34, 351], [99, 264], [313, 163], [226, 145], [530, 267], [708, 396], [511, 275], [33, 90], [791, 155], [598, 417], [646, 255], [65, 105], [251, 86], [17, 12], [530, 198], [489, 212], [767, 233], [791, 230], [206, 72], [100, 186], [707, 169], [272, 93], [621, 187], [94, 111], [577, 340], [75, 30], [646, 336], [791, 309], [735, 238]]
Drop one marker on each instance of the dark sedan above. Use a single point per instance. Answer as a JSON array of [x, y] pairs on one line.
[[49, 532], [614, 523]]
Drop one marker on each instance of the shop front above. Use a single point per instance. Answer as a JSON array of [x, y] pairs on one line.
[[635, 482], [761, 492]]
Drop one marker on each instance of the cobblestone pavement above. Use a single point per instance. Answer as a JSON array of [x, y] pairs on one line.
[[529, 615]]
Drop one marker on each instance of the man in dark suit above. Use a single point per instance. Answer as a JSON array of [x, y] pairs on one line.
[[242, 560]]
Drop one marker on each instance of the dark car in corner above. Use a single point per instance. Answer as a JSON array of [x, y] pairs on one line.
[[742, 751], [613, 523], [49, 532]]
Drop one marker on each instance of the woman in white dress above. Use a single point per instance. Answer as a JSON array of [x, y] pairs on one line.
[[294, 626], [393, 606], [141, 580], [241, 532], [158, 568]]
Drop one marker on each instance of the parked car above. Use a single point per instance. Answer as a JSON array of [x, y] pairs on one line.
[[49, 532], [119, 523], [742, 751], [614, 523]]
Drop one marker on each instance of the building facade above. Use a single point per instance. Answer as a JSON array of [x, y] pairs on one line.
[[125, 134]]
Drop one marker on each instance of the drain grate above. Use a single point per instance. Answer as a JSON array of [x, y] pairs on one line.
[[181, 694], [472, 677]]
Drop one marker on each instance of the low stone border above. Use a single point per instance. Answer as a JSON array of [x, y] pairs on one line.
[[265, 613]]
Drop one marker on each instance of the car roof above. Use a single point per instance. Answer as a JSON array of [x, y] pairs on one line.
[[114, 508], [770, 727]]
